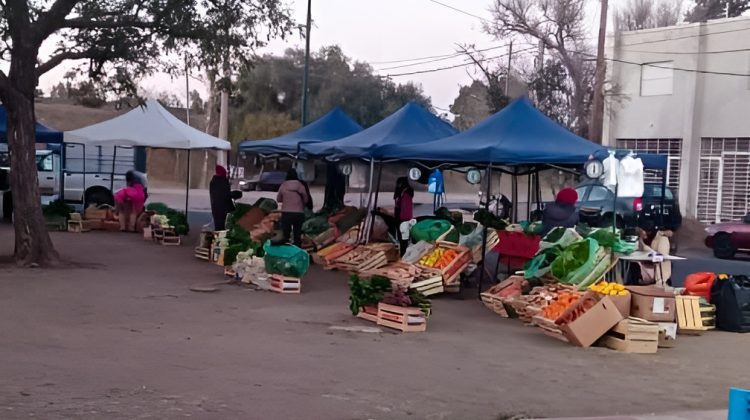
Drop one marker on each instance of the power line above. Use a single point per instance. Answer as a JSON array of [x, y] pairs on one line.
[[656, 65], [656, 41], [459, 10], [454, 55], [467, 63], [687, 52]]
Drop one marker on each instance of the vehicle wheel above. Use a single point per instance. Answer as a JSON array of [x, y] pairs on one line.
[[98, 197], [723, 247]]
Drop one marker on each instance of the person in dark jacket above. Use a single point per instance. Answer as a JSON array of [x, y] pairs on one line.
[[561, 213], [293, 197], [220, 193]]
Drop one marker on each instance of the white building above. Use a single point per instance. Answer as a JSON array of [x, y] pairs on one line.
[[685, 91]]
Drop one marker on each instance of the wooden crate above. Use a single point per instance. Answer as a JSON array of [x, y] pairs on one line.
[[390, 250], [429, 286], [283, 284], [400, 273], [549, 328], [492, 241], [77, 225], [202, 253], [369, 313], [170, 238], [452, 272], [633, 335], [229, 272], [147, 235], [691, 317], [361, 259], [402, 319], [328, 255]]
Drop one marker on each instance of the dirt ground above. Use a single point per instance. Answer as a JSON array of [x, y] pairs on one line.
[[122, 337]]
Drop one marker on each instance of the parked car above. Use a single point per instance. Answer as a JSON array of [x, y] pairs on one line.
[[267, 181], [729, 238], [630, 212]]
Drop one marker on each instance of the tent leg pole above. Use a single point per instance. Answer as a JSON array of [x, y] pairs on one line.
[[187, 184], [112, 175], [375, 203], [529, 180], [484, 232], [514, 193], [362, 232]]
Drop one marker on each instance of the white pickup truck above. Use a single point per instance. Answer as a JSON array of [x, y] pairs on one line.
[[86, 181]]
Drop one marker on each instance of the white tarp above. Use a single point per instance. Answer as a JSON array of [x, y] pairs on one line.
[[148, 126]]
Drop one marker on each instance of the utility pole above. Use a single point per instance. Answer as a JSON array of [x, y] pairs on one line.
[[597, 107], [507, 77], [187, 90], [307, 63]]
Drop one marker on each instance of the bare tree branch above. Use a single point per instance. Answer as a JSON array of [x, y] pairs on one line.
[[129, 22], [50, 20], [54, 61]]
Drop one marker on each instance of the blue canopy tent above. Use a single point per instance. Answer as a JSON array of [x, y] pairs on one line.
[[43, 134], [411, 124], [517, 135], [334, 125]]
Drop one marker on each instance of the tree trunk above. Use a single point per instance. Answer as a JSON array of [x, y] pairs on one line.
[[32, 242]]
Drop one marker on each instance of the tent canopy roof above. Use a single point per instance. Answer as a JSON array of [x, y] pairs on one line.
[[43, 134], [334, 125], [150, 126], [409, 125], [517, 135]]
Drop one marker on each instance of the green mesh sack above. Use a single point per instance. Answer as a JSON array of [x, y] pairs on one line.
[[429, 230], [315, 226], [287, 260]]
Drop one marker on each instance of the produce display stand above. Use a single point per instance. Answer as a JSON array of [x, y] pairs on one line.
[[361, 259], [76, 224], [452, 271], [369, 313]]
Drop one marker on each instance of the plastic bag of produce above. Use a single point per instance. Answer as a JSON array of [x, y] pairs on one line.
[[287, 260], [559, 236], [429, 230], [575, 259], [266, 204], [541, 263], [315, 226]]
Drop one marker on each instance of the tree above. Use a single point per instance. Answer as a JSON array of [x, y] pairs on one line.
[[273, 84], [494, 79], [704, 10], [646, 14], [561, 28], [59, 91], [263, 125], [169, 100], [234, 29], [88, 94], [470, 106], [120, 41], [196, 103], [550, 90]]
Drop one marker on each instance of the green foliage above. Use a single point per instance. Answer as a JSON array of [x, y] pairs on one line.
[[175, 218], [704, 10], [273, 85], [489, 219], [57, 208], [366, 292]]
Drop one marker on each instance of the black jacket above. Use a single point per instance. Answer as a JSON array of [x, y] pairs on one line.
[[220, 193], [559, 215]]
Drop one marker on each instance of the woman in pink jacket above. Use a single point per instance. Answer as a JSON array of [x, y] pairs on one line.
[[129, 202]]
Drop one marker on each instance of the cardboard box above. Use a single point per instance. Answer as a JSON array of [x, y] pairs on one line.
[[594, 323], [622, 303], [652, 303], [667, 334]]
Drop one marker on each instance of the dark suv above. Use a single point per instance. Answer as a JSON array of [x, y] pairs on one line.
[[630, 212]]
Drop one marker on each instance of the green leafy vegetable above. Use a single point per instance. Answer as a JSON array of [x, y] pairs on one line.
[[364, 293]]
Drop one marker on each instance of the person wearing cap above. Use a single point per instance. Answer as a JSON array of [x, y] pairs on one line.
[[561, 213], [220, 193]]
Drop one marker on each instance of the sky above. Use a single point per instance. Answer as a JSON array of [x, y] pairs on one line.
[[382, 31]]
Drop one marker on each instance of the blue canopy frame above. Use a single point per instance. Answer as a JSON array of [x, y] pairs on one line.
[[43, 134], [334, 125], [411, 124]]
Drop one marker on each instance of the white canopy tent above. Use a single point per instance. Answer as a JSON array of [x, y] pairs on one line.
[[148, 126]]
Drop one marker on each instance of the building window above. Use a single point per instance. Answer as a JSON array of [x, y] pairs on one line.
[[657, 78], [670, 147], [724, 185]]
